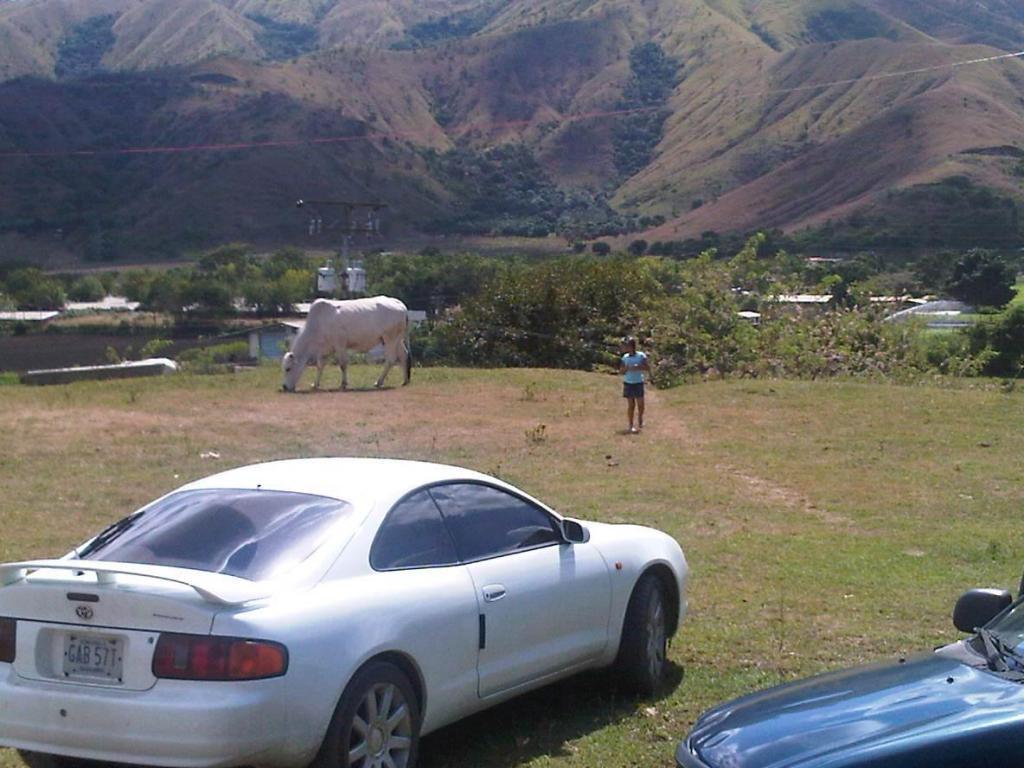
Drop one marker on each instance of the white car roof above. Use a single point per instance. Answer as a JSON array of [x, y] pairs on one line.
[[360, 481]]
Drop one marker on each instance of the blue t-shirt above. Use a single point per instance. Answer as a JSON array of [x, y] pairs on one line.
[[633, 376]]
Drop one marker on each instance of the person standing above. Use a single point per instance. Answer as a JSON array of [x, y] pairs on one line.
[[633, 366]]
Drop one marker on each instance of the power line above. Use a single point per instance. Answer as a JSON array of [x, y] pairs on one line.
[[399, 135], [884, 75]]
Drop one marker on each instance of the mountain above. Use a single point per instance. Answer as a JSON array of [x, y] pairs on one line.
[[148, 126]]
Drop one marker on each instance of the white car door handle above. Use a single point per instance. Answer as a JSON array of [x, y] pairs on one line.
[[493, 593]]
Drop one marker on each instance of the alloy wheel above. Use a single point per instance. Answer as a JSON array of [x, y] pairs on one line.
[[656, 636], [381, 734]]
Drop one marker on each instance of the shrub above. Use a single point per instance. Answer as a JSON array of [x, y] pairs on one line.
[[88, 288], [155, 347], [564, 313], [638, 247], [32, 289], [983, 279], [854, 342], [214, 359], [999, 342]]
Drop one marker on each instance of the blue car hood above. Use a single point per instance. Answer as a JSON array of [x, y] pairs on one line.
[[929, 711]]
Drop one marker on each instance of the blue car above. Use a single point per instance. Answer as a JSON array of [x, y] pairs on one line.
[[961, 705]]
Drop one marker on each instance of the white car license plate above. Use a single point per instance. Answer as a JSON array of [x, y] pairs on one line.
[[94, 658]]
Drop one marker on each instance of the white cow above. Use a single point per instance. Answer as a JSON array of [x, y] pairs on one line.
[[340, 326]]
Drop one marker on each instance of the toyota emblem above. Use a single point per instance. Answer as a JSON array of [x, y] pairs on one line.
[[84, 612]]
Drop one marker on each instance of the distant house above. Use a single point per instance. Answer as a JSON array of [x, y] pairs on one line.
[[271, 341], [107, 304], [802, 303], [28, 316], [804, 299], [938, 315]]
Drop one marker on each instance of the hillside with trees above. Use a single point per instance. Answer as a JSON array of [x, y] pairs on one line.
[[142, 129]]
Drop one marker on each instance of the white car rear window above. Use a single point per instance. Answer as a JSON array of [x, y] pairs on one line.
[[251, 534]]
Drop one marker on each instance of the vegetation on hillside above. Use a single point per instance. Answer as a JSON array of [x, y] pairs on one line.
[[496, 79], [653, 74], [831, 25], [953, 213], [81, 52], [283, 39], [503, 190], [451, 27]]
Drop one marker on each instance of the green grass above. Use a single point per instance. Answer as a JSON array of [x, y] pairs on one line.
[[826, 523], [1019, 299]]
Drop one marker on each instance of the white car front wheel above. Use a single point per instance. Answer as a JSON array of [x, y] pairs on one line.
[[643, 649]]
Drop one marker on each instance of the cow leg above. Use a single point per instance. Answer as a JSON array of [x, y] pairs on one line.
[[403, 361], [320, 362], [389, 360], [343, 364]]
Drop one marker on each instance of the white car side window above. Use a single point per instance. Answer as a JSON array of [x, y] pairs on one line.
[[413, 536], [486, 521]]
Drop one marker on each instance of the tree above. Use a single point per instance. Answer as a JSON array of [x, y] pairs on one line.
[[208, 294], [638, 247], [999, 341], [135, 284], [31, 289], [933, 271], [232, 257], [983, 279], [166, 292], [601, 248], [88, 288]]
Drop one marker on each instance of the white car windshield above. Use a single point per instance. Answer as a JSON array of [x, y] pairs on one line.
[[247, 533]]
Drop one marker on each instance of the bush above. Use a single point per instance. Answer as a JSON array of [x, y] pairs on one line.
[[999, 342], [31, 289], [565, 313], [430, 280], [696, 331], [950, 354], [638, 247], [214, 359], [854, 342], [983, 279], [155, 348], [88, 288]]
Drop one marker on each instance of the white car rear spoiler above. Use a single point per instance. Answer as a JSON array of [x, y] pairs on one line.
[[217, 588]]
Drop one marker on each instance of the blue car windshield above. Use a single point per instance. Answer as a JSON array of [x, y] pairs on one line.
[[1010, 626], [255, 535]]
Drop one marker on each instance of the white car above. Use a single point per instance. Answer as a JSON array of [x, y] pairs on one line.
[[320, 610]]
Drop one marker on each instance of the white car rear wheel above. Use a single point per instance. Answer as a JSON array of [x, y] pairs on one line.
[[376, 724]]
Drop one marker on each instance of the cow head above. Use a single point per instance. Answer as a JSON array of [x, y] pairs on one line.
[[292, 368]]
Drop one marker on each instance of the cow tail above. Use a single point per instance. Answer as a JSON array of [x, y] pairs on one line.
[[408, 353]]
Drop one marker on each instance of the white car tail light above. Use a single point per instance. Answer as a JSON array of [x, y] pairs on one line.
[[204, 657]]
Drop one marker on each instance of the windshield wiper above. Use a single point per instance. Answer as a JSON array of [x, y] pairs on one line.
[[1000, 655], [108, 534]]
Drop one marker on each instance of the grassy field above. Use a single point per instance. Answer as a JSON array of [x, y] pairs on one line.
[[826, 523]]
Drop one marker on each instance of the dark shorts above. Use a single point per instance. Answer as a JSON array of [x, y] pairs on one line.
[[633, 390]]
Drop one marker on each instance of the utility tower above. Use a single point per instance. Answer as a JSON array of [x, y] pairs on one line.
[[345, 219]]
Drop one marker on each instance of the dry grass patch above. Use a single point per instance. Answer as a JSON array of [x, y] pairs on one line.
[[826, 523]]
